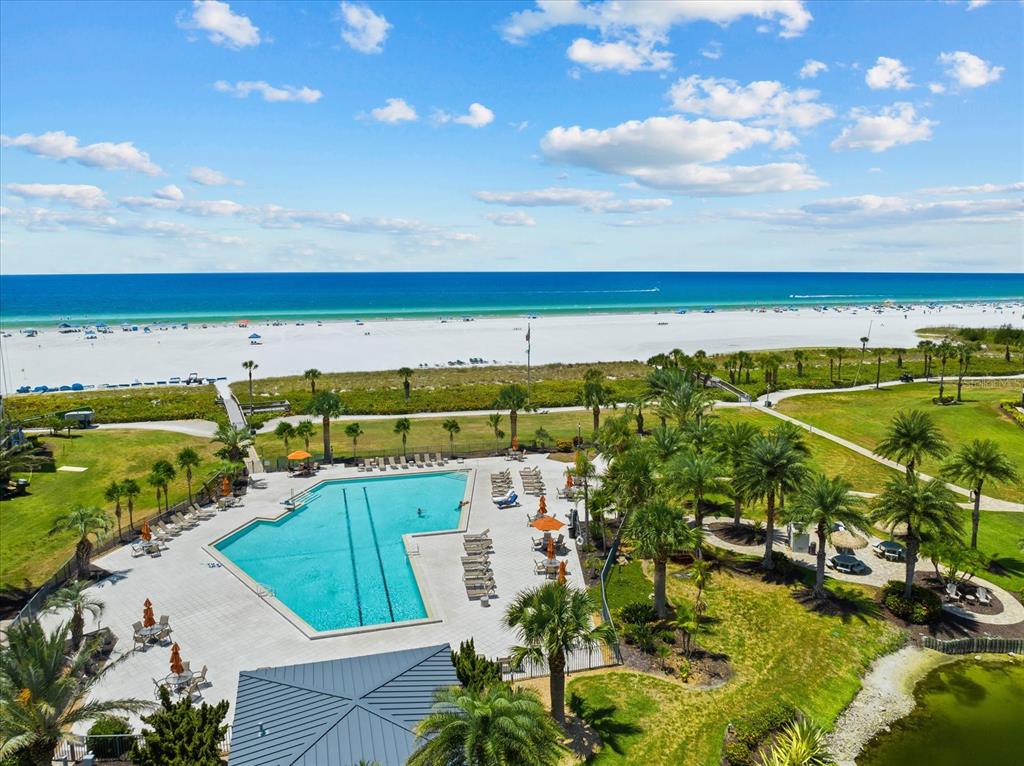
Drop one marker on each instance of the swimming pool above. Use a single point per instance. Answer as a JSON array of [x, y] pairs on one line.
[[338, 561]]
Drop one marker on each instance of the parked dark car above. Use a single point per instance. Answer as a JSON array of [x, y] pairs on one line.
[[906, 378]]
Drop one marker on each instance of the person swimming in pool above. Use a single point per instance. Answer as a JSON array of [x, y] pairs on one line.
[[419, 512]]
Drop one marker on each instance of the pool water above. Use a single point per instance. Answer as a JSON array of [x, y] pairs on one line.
[[338, 561]]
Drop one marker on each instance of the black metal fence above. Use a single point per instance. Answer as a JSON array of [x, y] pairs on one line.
[[606, 613], [974, 645], [575, 662]]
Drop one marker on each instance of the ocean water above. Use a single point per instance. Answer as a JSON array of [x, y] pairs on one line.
[[339, 561], [211, 297]]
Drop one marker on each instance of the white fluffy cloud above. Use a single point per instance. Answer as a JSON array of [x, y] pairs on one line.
[[812, 69], [592, 200], [712, 51], [619, 56], [936, 88], [169, 192], [364, 31], [58, 145], [989, 188], [969, 71], [394, 111], [477, 116], [46, 220], [888, 73], [83, 196], [209, 177], [975, 4], [242, 89], [515, 218], [222, 25], [199, 208], [767, 102], [892, 126]]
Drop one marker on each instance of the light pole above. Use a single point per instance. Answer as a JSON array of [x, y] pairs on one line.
[[586, 484]]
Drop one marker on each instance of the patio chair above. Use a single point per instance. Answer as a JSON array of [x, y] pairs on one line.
[[952, 593], [403, 463], [481, 591], [485, 535], [419, 459], [439, 459], [983, 596], [157, 686]]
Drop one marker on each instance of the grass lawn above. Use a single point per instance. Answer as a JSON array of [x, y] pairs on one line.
[[863, 416], [27, 553], [999, 536], [123, 405], [778, 650]]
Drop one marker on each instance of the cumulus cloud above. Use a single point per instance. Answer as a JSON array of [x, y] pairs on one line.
[[888, 73], [515, 218], [209, 177], [58, 145], [892, 126], [620, 56], [364, 30], [242, 89], [989, 188], [169, 192], [394, 111], [46, 220], [478, 116], [198, 208], [222, 25], [591, 200], [969, 71], [767, 102], [936, 88], [83, 196], [812, 69]]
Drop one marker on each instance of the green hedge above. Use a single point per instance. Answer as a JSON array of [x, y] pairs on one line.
[[123, 405], [751, 731], [923, 606], [1010, 408]]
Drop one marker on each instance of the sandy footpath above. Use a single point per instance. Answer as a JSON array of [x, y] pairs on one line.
[[56, 359]]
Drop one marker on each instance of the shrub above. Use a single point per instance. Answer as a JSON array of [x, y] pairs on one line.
[[474, 671], [107, 744], [738, 754], [754, 728], [563, 445], [1010, 408], [638, 613], [166, 745], [643, 635], [923, 606]]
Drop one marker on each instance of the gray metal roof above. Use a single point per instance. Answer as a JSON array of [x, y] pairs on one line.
[[337, 712]]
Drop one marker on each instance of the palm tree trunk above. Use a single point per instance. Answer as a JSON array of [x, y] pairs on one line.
[[597, 417], [819, 575], [513, 420], [77, 629], [769, 528], [82, 552], [942, 379], [250, 388], [556, 665], [41, 753], [737, 510], [327, 439], [131, 517], [912, 546], [660, 565], [976, 515]]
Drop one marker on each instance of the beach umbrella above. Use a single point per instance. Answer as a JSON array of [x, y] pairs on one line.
[[255, 336], [145, 534], [561, 572], [547, 524], [845, 539], [299, 455], [543, 505], [177, 667], [225, 486], [551, 549], [899, 529], [148, 620], [568, 481]]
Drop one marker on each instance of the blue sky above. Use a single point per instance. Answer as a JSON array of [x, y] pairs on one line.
[[766, 135]]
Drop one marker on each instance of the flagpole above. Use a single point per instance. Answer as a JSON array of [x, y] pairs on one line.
[[529, 384]]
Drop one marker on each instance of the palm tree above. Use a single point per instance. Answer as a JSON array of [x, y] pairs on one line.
[[964, 354], [944, 350], [594, 393], [910, 438], [552, 620], [822, 503], [451, 425], [402, 428], [83, 521], [630, 478], [733, 442], [130, 490], [44, 695], [973, 465], [657, 531], [405, 373], [745, 361], [928, 510], [839, 356], [18, 459], [513, 398], [863, 351], [696, 475], [494, 421], [156, 481], [799, 356], [312, 374], [800, 743], [771, 464], [113, 494], [235, 440], [665, 442], [79, 600], [188, 460], [927, 347], [164, 474], [327, 405], [615, 436], [700, 576], [285, 431], [353, 431], [249, 366], [701, 433], [497, 725], [304, 430]]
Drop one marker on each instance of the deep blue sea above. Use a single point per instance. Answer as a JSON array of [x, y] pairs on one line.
[[211, 297]]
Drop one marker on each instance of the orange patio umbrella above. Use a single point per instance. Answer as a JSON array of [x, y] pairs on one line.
[[568, 481], [176, 665], [148, 620], [145, 534], [543, 505], [299, 454], [515, 443], [561, 572], [547, 524], [551, 549], [225, 486]]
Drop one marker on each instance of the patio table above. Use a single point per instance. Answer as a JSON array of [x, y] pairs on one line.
[[178, 680], [150, 632]]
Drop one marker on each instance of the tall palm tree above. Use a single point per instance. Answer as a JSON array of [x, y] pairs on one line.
[[513, 398], [130, 490], [697, 476], [799, 356], [770, 464], [839, 351], [405, 373], [630, 478], [83, 521], [665, 442], [863, 352], [657, 531], [927, 347], [800, 743], [823, 502], [733, 442], [701, 434], [249, 366], [974, 464], [304, 430], [75, 597], [164, 473], [910, 438], [451, 425], [327, 405], [156, 481], [944, 350], [44, 695], [113, 494], [595, 393], [353, 431], [284, 431], [312, 375], [188, 460], [497, 725], [235, 442], [964, 354], [551, 621], [18, 459], [402, 428], [928, 510]]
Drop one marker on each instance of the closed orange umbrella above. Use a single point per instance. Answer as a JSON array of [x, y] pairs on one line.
[[225, 486], [176, 665], [148, 620], [543, 505], [568, 481], [561, 572], [515, 443], [547, 524], [551, 549], [299, 454], [145, 534]]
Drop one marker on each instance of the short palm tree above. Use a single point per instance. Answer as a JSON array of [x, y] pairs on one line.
[[402, 427], [327, 405], [927, 509], [494, 421], [285, 431], [113, 494], [696, 476], [595, 394], [353, 431], [79, 600], [83, 521], [130, 490], [249, 366], [974, 464], [551, 621], [800, 743], [945, 350], [823, 502], [235, 442], [799, 356], [630, 478], [17, 459], [733, 442], [513, 398], [312, 375], [700, 576], [304, 430], [405, 373], [163, 473], [657, 531], [44, 695], [499, 725], [188, 460], [910, 438], [451, 425], [665, 442]]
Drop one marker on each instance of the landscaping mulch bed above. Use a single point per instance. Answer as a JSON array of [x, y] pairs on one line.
[[932, 583], [707, 669], [745, 534]]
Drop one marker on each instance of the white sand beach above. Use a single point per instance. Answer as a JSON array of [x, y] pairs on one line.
[[56, 359]]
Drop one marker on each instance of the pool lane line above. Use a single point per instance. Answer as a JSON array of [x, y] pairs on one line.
[[376, 546], [352, 556]]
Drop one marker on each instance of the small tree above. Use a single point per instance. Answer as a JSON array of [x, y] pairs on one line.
[[285, 431], [83, 522], [305, 430], [188, 459], [402, 428], [75, 597], [249, 366], [130, 489], [451, 425], [113, 494], [405, 373], [475, 672], [182, 734], [312, 374], [353, 431], [541, 437]]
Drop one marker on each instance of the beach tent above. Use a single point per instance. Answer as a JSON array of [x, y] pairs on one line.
[[255, 336]]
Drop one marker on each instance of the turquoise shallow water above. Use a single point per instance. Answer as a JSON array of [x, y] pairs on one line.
[[339, 561], [967, 713]]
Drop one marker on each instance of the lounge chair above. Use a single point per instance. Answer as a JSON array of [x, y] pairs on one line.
[[508, 495], [403, 462], [392, 464], [475, 558], [480, 590], [485, 535], [477, 570], [983, 596], [472, 546], [419, 460], [509, 501], [182, 522], [439, 459], [361, 465]]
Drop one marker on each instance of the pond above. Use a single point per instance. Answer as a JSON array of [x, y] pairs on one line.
[[967, 712]]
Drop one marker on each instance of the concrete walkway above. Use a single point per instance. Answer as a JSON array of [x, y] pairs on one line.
[[204, 428], [235, 416]]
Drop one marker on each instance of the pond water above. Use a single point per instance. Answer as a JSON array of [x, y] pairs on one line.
[[967, 712]]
